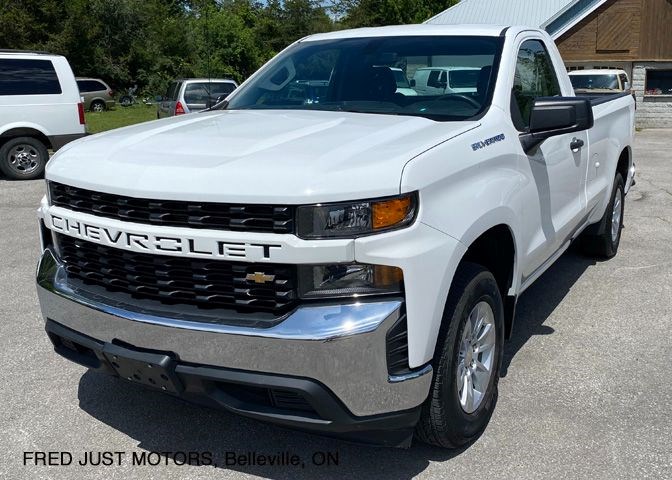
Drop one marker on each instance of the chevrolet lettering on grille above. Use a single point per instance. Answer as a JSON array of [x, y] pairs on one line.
[[167, 244]]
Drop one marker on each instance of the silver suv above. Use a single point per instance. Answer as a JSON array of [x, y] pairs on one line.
[[192, 95]]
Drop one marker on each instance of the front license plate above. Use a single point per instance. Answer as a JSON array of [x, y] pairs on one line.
[[155, 370]]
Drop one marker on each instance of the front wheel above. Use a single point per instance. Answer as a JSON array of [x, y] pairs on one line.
[[467, 361], [23, 158]]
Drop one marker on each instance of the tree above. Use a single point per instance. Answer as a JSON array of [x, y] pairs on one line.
[[373, 13], [150, 42]]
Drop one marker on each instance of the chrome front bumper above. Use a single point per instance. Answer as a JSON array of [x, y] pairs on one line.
[[341, 346]]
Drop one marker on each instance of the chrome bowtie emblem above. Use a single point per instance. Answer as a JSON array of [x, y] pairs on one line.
[[259, 277]]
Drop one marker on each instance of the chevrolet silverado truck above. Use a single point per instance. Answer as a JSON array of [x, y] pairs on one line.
[[347, 263]]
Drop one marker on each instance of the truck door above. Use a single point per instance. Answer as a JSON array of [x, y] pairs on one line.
[[557, 167]]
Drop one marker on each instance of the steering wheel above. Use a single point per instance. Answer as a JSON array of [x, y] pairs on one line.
[[459, 96]]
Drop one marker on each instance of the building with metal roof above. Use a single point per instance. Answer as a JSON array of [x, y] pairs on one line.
[[556, 16], [632, 35]]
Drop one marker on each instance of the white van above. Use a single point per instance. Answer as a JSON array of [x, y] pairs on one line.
[[442, 80], [40, 109]]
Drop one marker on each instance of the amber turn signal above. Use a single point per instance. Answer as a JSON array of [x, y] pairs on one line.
[[385, 277], [388, 213]]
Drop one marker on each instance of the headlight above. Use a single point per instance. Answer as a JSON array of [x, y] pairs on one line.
[[348, 280], [352, 219]]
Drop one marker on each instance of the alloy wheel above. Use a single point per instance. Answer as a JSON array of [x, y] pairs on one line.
[[616, 214], [476, 356]]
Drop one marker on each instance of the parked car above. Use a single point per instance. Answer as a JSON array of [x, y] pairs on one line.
[[598, 81], [40, 109], [192, 95], [440, 80], [351, 266], [97, 95]]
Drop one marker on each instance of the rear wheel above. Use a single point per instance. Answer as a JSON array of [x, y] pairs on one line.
[[23, 158], [605, 242], [97, 106], [467, 361]]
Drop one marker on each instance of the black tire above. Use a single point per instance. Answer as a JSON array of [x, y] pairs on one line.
[[444, 422], [97, 106], [598, 240], [23, 158]]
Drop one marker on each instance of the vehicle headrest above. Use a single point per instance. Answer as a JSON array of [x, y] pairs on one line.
[[371, 83]]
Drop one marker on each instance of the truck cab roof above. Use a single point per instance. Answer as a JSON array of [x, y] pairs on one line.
[[413, 30]]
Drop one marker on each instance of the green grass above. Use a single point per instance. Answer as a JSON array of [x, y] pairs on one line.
[[119, 117]]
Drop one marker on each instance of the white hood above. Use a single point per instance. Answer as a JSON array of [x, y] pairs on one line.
[[253, 156]]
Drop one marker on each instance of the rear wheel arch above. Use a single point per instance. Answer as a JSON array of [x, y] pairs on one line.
[[624, 163]]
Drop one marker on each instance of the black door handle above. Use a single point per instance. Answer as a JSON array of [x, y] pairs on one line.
[[576, 144]]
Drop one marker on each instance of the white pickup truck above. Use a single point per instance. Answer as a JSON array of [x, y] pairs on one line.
[[346, 263]]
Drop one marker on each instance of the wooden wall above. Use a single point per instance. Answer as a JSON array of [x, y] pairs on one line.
[[622, 30], [656, 42]]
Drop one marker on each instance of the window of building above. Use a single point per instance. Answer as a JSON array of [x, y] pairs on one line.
[[28, 77], [574, 69], [658, 82]]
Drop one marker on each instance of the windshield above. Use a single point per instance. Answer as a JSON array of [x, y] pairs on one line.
[[590, 82], [382, 75]]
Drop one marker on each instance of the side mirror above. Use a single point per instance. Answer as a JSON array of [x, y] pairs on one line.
[[554, 116], [413, 83], [159, 98], [626, 86]]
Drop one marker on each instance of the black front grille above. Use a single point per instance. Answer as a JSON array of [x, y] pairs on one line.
[[191, 214], [177, 280]]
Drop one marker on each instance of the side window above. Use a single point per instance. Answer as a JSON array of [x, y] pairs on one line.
[[433, 80], [624, 80], [28, 77], [534, 77], [173, 89], [90, 86]]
